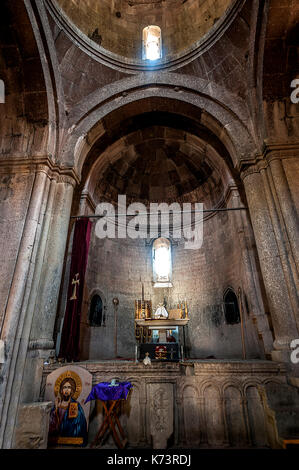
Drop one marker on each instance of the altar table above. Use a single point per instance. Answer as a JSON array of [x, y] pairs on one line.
[[111, 397]]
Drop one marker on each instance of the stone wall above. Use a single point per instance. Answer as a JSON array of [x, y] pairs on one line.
[[117, 267], [202, 404]]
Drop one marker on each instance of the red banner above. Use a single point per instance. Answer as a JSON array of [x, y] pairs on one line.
[[69, 346]]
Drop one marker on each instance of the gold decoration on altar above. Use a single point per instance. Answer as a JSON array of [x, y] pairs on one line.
[[143, 309], [161, 352], [145, 318], [67, 375]]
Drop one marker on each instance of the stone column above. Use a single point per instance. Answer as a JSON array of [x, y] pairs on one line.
[[257, 312], [13, 333], [41, 336], [42, 246], [280, 304], [287, 206], [287, 261]]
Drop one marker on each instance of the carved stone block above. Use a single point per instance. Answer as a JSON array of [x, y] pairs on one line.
[[33, 425], [160, 413]]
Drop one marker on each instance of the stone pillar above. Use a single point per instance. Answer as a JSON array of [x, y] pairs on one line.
[[257, 312], [287, 261], [13, 333], [287, 206], [41, 336], [269, 249], [48, 211]]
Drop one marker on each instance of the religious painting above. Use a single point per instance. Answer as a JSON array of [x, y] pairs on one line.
[[68, 388]]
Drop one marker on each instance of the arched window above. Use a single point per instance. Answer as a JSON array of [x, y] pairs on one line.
[[96, 311], [231, 307], [162, 262], [152, 43]]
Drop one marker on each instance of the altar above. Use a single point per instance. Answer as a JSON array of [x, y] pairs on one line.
[[160, 335]]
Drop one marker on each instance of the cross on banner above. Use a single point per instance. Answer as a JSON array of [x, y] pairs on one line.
[[75, 282], [70, 336]]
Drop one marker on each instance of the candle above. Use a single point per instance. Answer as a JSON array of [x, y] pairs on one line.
[[142, 292], [136, 352], [182, 353]]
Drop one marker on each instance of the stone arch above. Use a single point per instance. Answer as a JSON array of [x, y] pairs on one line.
[[231, 383], [250, 383], [208, 383], [231, 122], [271, 380], [25, 113]]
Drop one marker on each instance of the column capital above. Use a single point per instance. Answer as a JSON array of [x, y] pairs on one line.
[[40, 165], [270, 152]]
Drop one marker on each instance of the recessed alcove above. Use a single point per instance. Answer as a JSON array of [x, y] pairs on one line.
[[170, 158]]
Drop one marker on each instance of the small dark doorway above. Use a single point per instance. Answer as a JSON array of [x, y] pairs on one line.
[[96, 311], [231, 308]]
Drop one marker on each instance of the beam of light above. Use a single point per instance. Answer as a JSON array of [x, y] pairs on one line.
[[152, 47], [162, 262]]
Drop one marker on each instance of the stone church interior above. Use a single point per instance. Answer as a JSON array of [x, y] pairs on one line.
[[135, 341]]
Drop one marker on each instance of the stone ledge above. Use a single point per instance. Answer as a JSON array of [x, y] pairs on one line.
[[200, 367]]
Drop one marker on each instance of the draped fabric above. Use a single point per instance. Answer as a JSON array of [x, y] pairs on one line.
[[105, 391], [69, 346]]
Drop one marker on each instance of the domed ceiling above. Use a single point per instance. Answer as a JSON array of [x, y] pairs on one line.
[[158, 169], [116, 25]]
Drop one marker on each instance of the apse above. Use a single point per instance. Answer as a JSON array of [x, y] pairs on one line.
[[166, 160]]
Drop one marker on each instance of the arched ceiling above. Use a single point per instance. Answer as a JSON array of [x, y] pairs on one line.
[[116, 25], [150, 153], [158, 167], [20, 66]]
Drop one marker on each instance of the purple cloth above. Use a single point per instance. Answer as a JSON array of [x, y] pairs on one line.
[[103, 392]]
